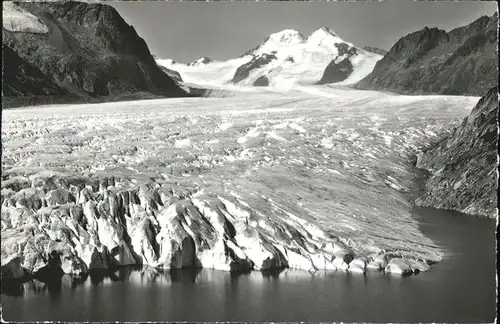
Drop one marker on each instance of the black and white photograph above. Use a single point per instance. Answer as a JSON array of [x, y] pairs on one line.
[[249, 161]]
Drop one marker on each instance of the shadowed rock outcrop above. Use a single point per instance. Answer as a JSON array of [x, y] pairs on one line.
[[22, 83], [337, 70], [261, 82], [460, 62], [21, 78], [173, 74], [464, 166], [256, 62], [88, 50], [375, 50]]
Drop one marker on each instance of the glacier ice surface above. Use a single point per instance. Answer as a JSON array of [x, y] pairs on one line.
[[254, 181]]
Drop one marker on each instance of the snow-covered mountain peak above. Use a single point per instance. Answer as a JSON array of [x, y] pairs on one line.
[[202, 60], [327, 30], [287, 58], [287, 36], [324, 36], [283, 40]]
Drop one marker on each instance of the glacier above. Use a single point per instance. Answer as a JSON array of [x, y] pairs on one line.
[[315, 178]]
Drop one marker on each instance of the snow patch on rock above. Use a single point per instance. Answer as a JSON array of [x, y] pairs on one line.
[[16, 19]]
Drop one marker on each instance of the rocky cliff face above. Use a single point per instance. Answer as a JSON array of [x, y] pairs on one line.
[[23, 79], [24, 85], [464, 166], [86, 48], [375, 50], [460, 62], [172, 73]]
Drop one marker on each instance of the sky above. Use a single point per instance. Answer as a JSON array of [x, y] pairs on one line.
[[185, 31]]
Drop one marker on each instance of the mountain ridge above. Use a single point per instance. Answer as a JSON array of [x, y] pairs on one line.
[[89, 50], [287, 58], [375, 50], [462, 61]]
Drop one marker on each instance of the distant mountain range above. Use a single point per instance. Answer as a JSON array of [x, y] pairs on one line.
[[284, 59], [203, 60], [86, 52], [430, 61], [463, 61], [83, 51]]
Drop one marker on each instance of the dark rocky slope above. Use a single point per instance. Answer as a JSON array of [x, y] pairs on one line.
[[172, 73], [336, 72], [20, 78], [256, 62], [339, 71], [261, 82], [375, 50], [460, 62], [90, 51], [22, 82], [464, 166]]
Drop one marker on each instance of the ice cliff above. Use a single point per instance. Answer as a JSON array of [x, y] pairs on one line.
[[97, 224]]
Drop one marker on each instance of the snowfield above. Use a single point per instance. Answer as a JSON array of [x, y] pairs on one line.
[[314, 178], [206, 74], [16, 19]]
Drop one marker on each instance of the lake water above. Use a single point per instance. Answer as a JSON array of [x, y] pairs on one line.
[[461, 288]]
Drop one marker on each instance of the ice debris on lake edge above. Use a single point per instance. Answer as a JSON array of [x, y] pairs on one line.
[[82, 224]]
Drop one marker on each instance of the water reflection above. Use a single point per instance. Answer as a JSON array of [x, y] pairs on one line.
[[147, 277], [53, 283], [97, 276], [148, 294], [272, 273], [184, 275], [12, 288]]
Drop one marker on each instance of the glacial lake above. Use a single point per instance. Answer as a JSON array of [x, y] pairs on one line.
[[461, 288]]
